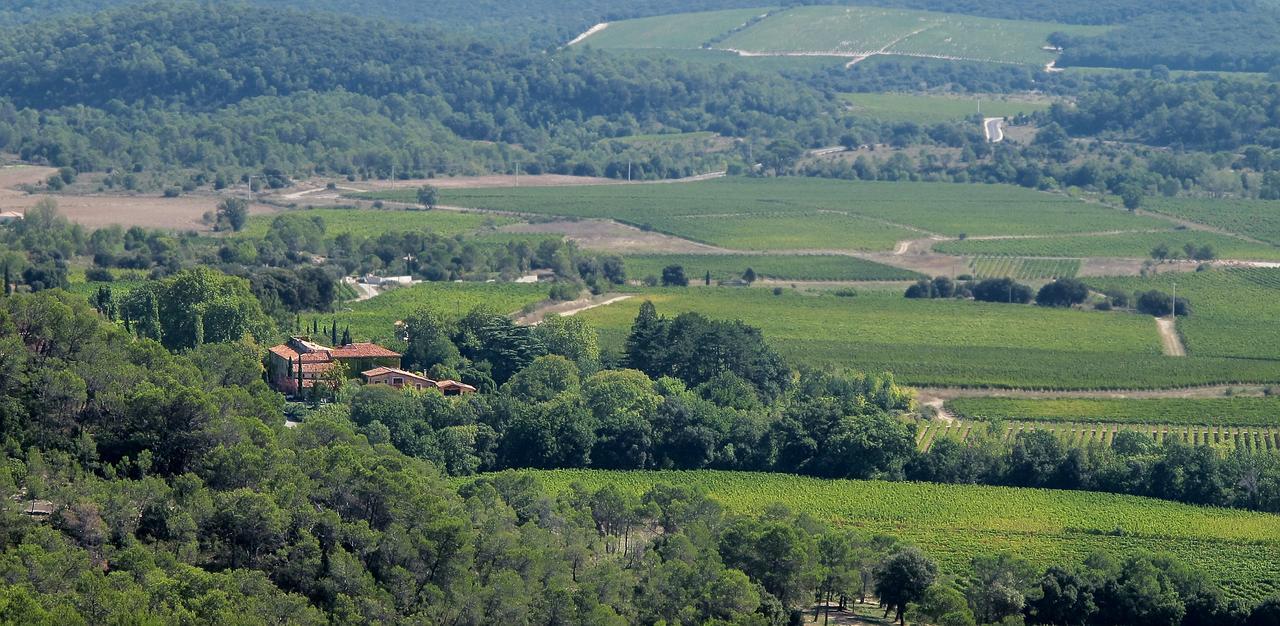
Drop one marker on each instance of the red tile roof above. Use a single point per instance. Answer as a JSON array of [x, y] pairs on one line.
[[285, 352], [363, 351]]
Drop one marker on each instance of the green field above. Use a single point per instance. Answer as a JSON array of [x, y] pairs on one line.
[[954, 523], [815, 207], [931, 109], [374, 222], [1024, 269], [842, 31], [781, 267], [1083, 434], [1124, 245], [1233, 411], [950, 342], [1259, 219], [1235, 312], [682, 31], [374, 319]]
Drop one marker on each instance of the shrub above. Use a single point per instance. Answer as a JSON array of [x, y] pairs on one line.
[[1158, 303], [98, 275], [565, 291], [1063, 292], [1002, 290]]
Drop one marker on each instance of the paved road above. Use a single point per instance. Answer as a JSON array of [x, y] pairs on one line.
[[994, 129]]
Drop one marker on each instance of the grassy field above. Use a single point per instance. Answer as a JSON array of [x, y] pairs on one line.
[[683, 31], [1233, 411], [1024, 269], [373, 222], [930, 109], [954, 523], [842, 31], [815, 204], [374, 319], [1127, 245], [950, 343], [782, 267], [1259, 219], [1234, 311]]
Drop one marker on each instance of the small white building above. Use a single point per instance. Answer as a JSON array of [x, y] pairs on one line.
[[370, 279], [10, 216]]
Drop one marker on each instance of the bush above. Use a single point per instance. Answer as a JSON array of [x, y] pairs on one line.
[[98, 275], [1063, 292], [172, 192], [845, 293], [1002, 290], [565, 291], [777, 291], [1158, 303]]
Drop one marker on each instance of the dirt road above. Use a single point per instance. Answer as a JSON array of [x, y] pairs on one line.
[[569, 309], [1169, 338], [363, 291]]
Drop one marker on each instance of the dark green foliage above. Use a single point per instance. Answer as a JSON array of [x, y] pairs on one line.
[[673, 276], [1004, 290], [903, 578], [1063, 292], [1159, 304], [164, 310]]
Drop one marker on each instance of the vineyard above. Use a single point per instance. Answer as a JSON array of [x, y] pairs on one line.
[[954, 523], [949, 342], [1024, 269], [1126, 245], [841, 31], [1259, 219], [374, 222], [948, 209], [931, 109], [374, 319], [781, 267], [1249, 438], [1234, 311], [1232, 411]]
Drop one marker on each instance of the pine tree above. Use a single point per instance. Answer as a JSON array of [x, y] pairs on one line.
[[749, 276], [646, 343]]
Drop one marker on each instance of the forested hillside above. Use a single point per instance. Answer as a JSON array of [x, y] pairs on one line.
[[212, 87]]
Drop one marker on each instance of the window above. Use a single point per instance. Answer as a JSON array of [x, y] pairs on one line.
[[397, 381]]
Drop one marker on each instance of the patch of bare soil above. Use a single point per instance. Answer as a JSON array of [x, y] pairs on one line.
[[609, 236], [569, 309], [14, 175], [95, 211], [1105, 266], [1169, 338], [928, 264]]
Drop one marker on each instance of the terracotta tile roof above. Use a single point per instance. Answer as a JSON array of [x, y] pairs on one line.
[[363, 351], [453, 384], [383, 371], [285, 352]]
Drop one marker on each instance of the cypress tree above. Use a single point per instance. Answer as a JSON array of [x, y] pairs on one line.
[[708, 278], [646, 343], [333, 333], [198, 324], [346, 336], [8, 280]]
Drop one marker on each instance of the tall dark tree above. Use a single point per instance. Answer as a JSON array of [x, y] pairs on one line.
[[903, 578], [647, 343]]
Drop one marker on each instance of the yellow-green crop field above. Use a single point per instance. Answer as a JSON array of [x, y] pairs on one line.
[[954, 523]]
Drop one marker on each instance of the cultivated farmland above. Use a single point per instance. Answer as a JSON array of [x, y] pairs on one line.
[[374, 222], [1081, 434], [1240, 550], [1024, 269], [1128, 245], [930, 109], [841, 31], [781, 267], [1259, 219], [947, 209], [1233, 411], [951, 343], [374, 319], [1234, 311]]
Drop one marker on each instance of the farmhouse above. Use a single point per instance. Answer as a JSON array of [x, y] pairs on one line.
[[301, 362], [9, 216], [400, 379]]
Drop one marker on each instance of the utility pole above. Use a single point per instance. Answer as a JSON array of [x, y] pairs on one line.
[[1173, 306], [517, 173], [628, 170]]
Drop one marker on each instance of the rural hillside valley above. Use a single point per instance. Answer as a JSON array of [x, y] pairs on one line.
[[653, 313]]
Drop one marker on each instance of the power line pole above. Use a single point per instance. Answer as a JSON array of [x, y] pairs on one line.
[[628, 170]]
